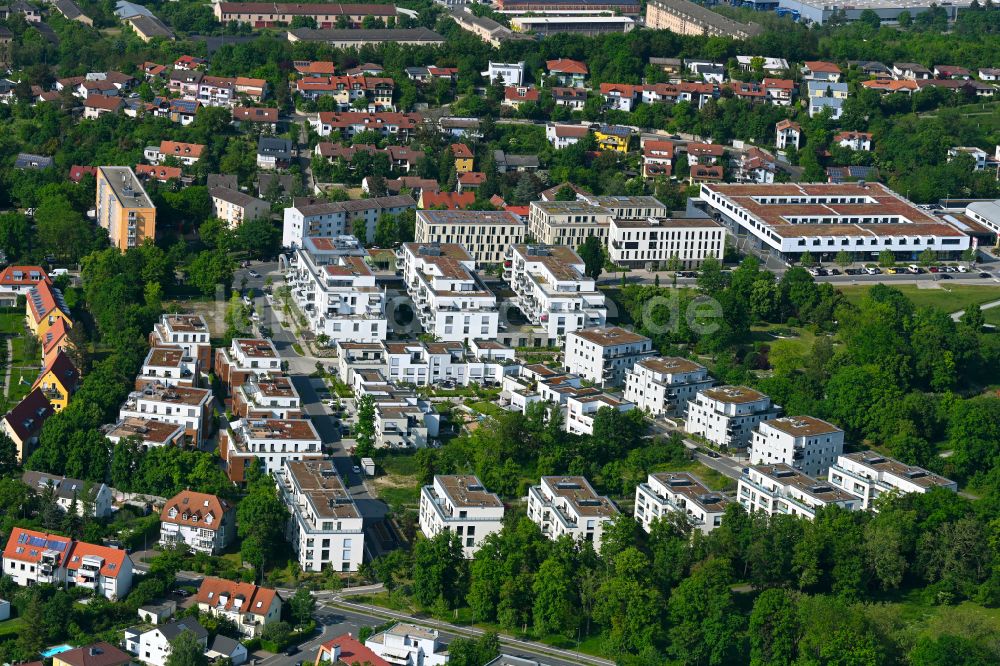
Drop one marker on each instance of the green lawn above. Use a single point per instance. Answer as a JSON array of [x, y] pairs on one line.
[[714, 480], [11, 628], [780, 337], [992, 316], [950, 299], [12, 323], [485, 407]]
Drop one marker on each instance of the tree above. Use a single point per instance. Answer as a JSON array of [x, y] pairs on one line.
[[565, 193], [439, 570], [302, 604], [710, 278], [927, 257], [259, 237], [973, 318], [773, 629], [592, 253], [806, 259], [886, 259], [365, 428], [555, 609], [185, 650], [704, 622], [8, 454], [843, 259], [209, 269], [260, 518], [237, 317]]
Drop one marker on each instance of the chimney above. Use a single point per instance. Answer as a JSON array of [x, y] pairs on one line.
[[335, 653]]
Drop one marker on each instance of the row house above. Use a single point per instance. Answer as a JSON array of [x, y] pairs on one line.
[[24, 422], [186, 83], [271, 441], [801, 442], [727, 415], [44, 306], [187, 332], [191, 408], [202, 522], [667, 494], [162, 174], [582, 410], [58, 380], [249, 607], [168, 366], [569, 505], [697, 94], [662, 386], [452, 303], [326, 16], [267, 397], [401, 126], [602, 355], [325, 527], [244, 358], [346, 90], [460, 504], [552, 290]]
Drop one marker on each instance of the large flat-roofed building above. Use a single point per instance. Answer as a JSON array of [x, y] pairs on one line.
[[569, 505], [452, 303], [571, 222], [243, 358], [726, 415], [803, 442], [459, 503], [654, 240], [123, 208], [486, 234], [270, 14], [663, 386], [552, 290], [860, 218], [868, 475], [577, 25], [271, 441], [568, 7], [314, 217], [687, 18], [326, 529], [356, 38], [603, 355], [187, 332], [780, 489], [667, 493], [146, 431], [821, 11], [267, 397]]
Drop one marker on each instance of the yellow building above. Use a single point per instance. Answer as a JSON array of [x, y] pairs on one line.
[[463, 157], [58, 381], [45, 306], [124, 208], [612, 137]]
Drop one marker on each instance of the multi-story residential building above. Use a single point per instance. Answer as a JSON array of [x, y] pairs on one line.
[[32, 558], [564, 136], [169, 366], [678, 493], [688, 18], [325, 16], [827, 95], [58, 380], [83, 497], [552, 290], [620, 96], [857, 141], [248, 606], [726, 415], [153, 646], [788, 134], [401, 126], [663, 386], [574, 98], [613, 137], [235, 207], [148, 433], [510, 73], [325, 527], [123, 207], [566, 72], [802, 442], [582, 409], [567, 222], [44, 308], [780, 489], [271, 441], [204, 523], [569, 505], [452, 303], [428, 363], [339, 296], [602, 355], [347, 90], [658, 241], [17, 281], [409, 645], [657, 158], [460, 504], [267, 397], [404, 422], [486, 235], [244, 358], [187, 332], [24, 422], [540, 383], [869, 475], [326, 219], [189, 407], [860, 218]]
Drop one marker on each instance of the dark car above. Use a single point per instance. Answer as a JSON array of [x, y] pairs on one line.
[[985, 275], [944, 276], [292, 649]]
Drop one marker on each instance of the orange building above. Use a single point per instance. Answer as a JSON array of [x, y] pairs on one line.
[[124, 208]]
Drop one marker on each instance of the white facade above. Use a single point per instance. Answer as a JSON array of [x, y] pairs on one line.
[[552, 290], [486, 235], [510, 73], [69, 493], [326, 219], [462, 505], [272, 441], [325, 528], [581, 411], [234, 207], [189, 332], [654, 240], [429, 363], [153, 647], [788, 135], [409, 645], [604, 355], [779, 489], [667, 493], [169, 366], [452, 303], [569, 505], [801, 442], [564, 136], [571, 222], [178, 405], [405, 422], [663, 386], [868, 475], [726, 415], [202, 522]]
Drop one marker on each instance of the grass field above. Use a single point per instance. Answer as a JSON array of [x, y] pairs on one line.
[[992, 316], [714, 480], [779, 336], [950, 299]]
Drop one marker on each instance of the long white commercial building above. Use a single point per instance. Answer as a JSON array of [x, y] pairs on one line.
[[655, 240], [460, 504]]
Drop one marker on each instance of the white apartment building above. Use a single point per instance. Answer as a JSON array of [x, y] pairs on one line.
[[169, 366], [569, 505], [271, 441], [779, 489], [689, 240], [564, 136], [325, 528], [485, 234], [262, 396], [582, 409], [189, 332], [153, 646], [459, 503], [408, 645], [248, 606], [452, 303], [510, 73], [190, 408], [662, 386], [603, 355], [801, 442], [245, 358], [235, 207], [427, 363], [726, 415], [667, 493], [552, 290], [868, 475], [84, 497], [405, 423], [202, 522], [315, 217], [339, 297], [567, 222], [539, 383]]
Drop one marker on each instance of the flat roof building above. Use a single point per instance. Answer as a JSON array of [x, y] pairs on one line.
[[485, 234], [658, 241], [869, 475], [603, 355], [679, 493], [780, 489], [460, 504], [569, 505], [802, 442], [662, 386], [123, 208], [726, 415]]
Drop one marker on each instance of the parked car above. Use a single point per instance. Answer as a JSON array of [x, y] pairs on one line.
[[252, 273]]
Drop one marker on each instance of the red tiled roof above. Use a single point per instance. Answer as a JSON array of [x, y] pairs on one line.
[[77, 172], [352, 652], [822, 66], [28, 545], [623, 89], [62, 367], [315, 67], [23, 275], [161, 173], [42, 299], [450, 200], [180, 148], [461, 151], [255, 114], [114, 558], [95, 654], [54, 335], [472, 178], [566, 66], [787, 124], [103, 102], [521, 94], [192, 508], [255, 600]]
